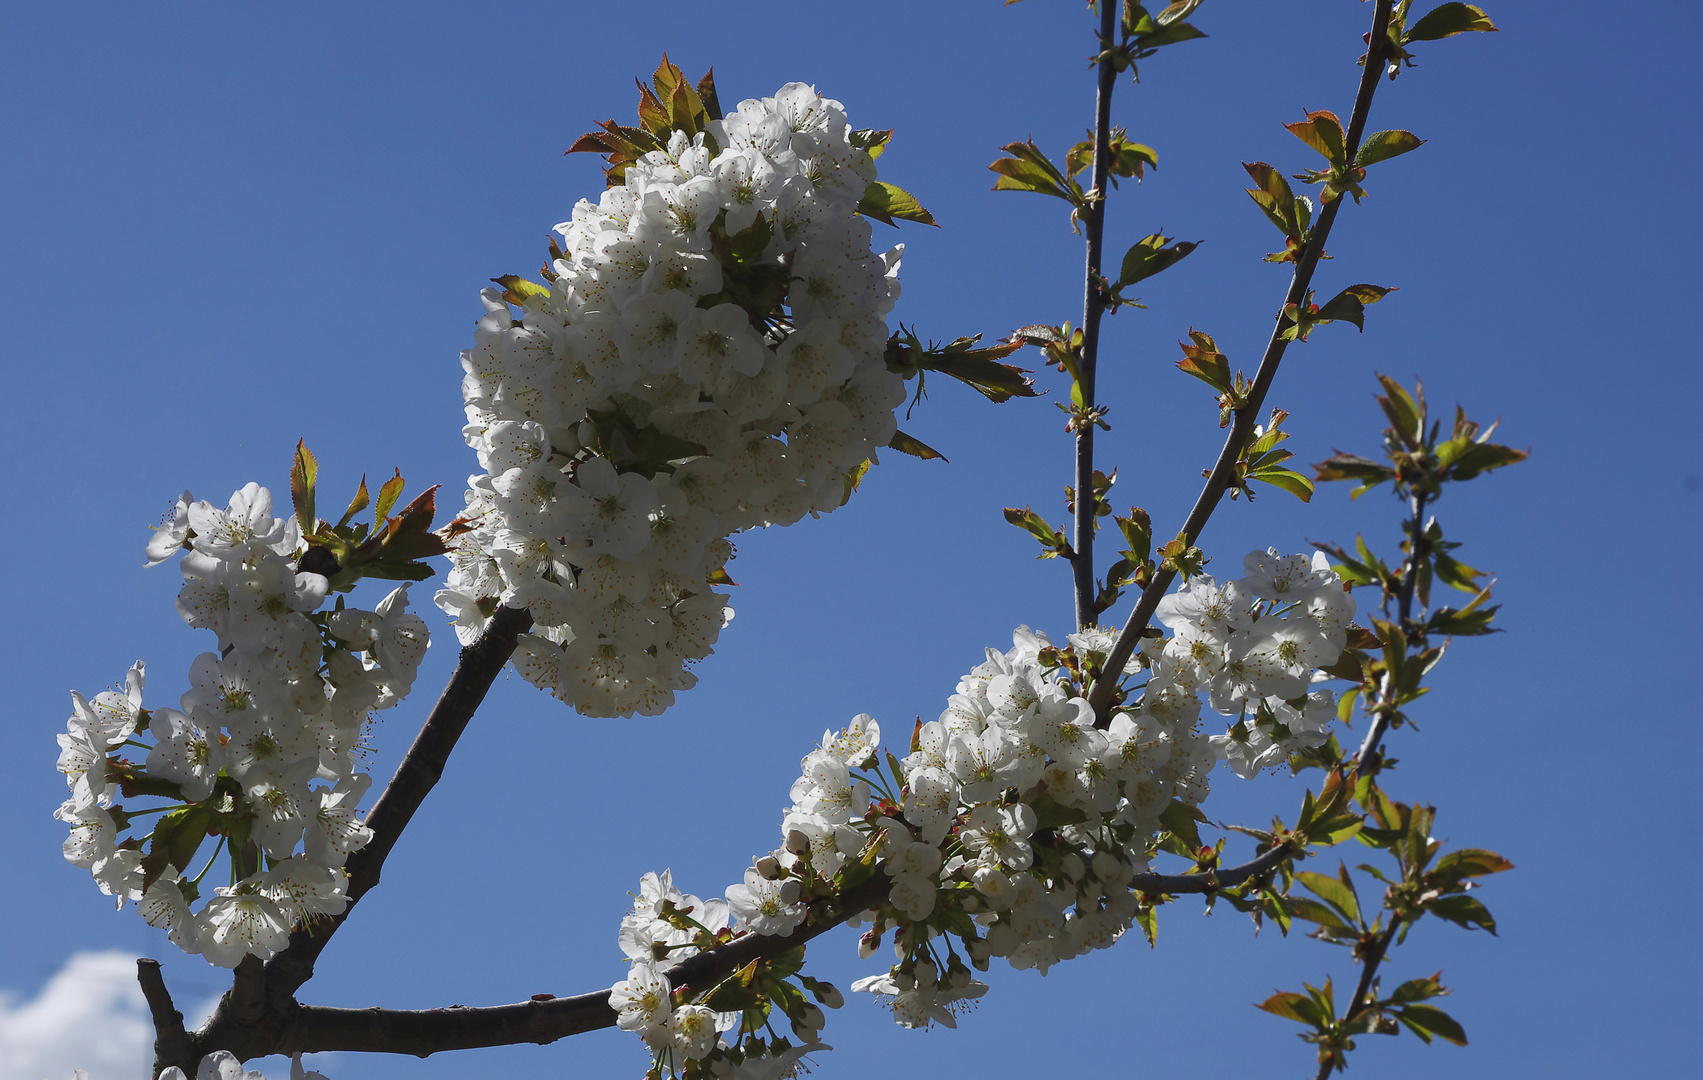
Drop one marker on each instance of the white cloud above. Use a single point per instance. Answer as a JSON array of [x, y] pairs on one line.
[[90, 1015]]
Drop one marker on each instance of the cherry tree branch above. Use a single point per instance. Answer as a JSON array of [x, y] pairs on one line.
[[422, 1032], [170, 1040], [1179, 884], [1093, 307], [1218, 481], [544, 1019]]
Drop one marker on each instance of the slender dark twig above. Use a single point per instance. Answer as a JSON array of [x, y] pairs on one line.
[[1416, 555], [1362, 999], [1409, 578], [1093, 307], [1218, 482]]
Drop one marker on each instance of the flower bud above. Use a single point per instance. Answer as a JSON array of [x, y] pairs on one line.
[[867, 944], [790, 889], [768, 868], [797, 841]]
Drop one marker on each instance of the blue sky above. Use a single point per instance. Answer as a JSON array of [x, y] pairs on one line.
[[226, 228]]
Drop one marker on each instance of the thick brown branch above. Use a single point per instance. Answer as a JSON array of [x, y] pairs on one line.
[[171, 1041], [1218, 482], [422, 1032], [1093, 307]]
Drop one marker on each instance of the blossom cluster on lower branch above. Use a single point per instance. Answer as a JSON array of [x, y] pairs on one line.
[[1014, 828], [263, 751]]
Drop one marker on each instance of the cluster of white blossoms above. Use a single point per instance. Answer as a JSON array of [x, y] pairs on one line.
[[1019, 822], [707, 357], [263, 750], [688, 1037], [1254, 646]]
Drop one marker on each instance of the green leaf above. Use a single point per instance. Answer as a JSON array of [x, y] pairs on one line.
[[1035, 525], [884, 202], [1287, 479], [1407, 416], [1028, 169], [177, 835], [1137, 530], [1463, 911], [304, 475], [1181, 819], [1149, 256], [1447, 21], [1205, 362], [1418, 990], [1383, 145], [1464, 462], [907, 444], [1451, 571], [1471, 862], [387, 496], [1323, 132], [870, 141], [1467, 622], [853, 478], [1298, 1007], [1147, 915], [1426, 1021], [360, 502], [1352, 467], [517, 289], [1277, 200], [1314, 912], [1349, 305], [1337, 892]]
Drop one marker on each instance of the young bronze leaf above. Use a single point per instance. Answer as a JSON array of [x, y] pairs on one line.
[[1323, 132], [906, 444]]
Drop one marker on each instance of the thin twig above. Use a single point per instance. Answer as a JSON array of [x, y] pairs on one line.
[[1218, 482], [1177, 884], [1362, 1000], [1093, 307], [1409, 578]]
